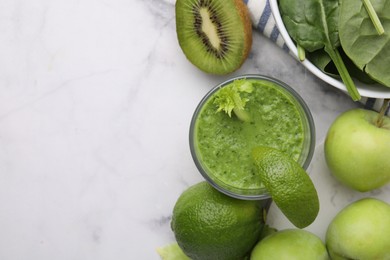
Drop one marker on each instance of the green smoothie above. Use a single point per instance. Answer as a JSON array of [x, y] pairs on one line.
[[223, 143]]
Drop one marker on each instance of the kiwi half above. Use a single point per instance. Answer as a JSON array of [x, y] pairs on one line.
[[215, 35]]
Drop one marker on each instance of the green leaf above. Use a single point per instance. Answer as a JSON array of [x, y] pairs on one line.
[[228, 98], [360, 40], [313, 24], [322, 61]]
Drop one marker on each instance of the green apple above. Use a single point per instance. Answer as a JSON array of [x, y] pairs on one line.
[[291, 244], [360, 231], [357, 151]]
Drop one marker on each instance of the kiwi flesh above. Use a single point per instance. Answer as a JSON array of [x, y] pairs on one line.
[[215, 35]]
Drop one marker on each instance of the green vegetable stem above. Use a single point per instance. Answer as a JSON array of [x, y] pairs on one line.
[[385, 105], [228, 99], [344, 74], [301, 53], [374, 17]]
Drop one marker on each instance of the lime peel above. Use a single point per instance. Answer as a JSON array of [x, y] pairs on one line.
[[171, 252], [210, 225], [288, 184]]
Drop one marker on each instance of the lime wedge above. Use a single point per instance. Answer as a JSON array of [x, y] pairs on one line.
[[288, 184]]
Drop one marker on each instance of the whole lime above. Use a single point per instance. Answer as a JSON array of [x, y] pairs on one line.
[[210, 225], [290, 244]]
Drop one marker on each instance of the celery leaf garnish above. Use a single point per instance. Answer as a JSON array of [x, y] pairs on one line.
[[228, 99]]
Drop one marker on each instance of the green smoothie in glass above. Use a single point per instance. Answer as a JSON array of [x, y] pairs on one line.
[[269, 113]]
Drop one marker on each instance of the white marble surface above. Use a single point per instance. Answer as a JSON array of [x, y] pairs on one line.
[[96, 98]]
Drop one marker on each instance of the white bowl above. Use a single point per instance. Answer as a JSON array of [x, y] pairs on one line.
[[365, 90]]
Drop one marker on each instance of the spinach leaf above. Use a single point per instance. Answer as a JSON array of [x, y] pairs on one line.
[[360, 40], [322, 61], [313, 24]]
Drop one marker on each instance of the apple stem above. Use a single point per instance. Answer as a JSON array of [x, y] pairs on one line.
[[379, 120]]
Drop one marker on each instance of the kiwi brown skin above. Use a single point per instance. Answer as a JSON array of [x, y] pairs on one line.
[[197, 48], [244, 14]]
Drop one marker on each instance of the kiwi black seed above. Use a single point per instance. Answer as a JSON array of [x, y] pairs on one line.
[[215, 35]]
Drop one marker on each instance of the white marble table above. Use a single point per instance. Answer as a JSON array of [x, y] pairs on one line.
[[96, 98]]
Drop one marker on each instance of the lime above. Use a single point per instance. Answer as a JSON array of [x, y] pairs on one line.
[[288, 184], [290, 244], [171, 252], [210, 225]]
